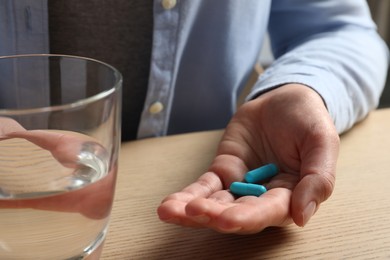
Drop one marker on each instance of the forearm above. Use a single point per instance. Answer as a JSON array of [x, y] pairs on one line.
[[346, 65]]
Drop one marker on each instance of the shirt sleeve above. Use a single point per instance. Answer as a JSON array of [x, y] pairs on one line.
[[331, 46]]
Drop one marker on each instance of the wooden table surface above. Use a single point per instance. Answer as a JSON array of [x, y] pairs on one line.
[[353, 224]]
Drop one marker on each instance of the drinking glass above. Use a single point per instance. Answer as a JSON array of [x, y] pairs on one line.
[[59, 143]]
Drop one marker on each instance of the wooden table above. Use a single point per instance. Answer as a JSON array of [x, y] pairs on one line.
[[353, 224]]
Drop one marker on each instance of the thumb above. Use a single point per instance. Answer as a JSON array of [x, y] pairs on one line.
[[317, 182]]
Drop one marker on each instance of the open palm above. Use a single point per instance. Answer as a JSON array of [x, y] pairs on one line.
[[288, 126]]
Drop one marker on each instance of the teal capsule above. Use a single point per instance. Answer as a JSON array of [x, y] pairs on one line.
[[261, 173], [245, 189]]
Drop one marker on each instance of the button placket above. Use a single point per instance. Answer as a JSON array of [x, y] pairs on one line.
[[155, 117]]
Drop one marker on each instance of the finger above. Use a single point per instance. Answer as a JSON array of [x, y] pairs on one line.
[[310, 192], [8, 125], [317, 181], [94, 201], [229, 168], [248, 214], [283, 180], [224, 170], [206, 185], [65, 146], [172, 208], [173, 211], [225, 167], [222, 196], [219, 201]]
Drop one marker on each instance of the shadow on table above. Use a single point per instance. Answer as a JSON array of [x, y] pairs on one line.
[[207, 244]]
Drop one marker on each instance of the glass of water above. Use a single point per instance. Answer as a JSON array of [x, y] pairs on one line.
[[59, 143]]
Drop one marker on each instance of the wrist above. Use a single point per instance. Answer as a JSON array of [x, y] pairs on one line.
[[293, 92]]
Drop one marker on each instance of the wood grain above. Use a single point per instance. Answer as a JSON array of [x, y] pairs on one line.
[[353, 224]]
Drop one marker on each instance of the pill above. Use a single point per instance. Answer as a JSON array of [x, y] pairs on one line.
[[261, 173], [244, 189]]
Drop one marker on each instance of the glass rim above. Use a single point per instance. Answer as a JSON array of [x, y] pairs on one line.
[[82, 102]]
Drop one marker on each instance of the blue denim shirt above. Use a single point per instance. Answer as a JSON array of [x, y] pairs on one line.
[[204, 51]]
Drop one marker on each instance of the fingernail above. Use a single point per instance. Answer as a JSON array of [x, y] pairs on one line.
[[201, 219], [308, 212]]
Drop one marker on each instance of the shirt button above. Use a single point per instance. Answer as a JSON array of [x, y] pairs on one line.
[[168, 4], [156, 107]]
